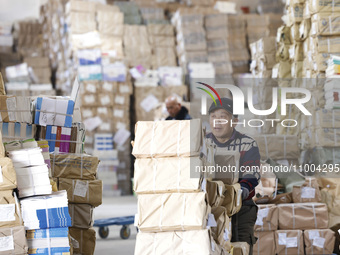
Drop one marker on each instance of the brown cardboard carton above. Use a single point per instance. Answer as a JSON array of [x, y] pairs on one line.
[[82, 191], [289, 242], [7, 174], [240, 248], [319, 241], [14, 240], [303, 216], [105, 113], [232, 199], [74, 166], [188, 140], [172, 211], [265, 243], [173, 242], [83, 240], [10, 211], [222, 233], [90, 87], [89, 99], [167, 175], [81, 215], [267, 218], [307, 192]]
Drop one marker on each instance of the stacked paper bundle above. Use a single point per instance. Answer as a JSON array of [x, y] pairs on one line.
[[131, 12], [178, 203], [30, 42], [46, 220], [77, 174], [153, 15], [191, 39], [32, 172], [12, 232]]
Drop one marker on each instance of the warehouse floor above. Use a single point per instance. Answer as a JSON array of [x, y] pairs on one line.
[[115, 207]]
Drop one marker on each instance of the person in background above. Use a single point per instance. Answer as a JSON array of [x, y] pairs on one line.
[[176, 110], [225, 136]]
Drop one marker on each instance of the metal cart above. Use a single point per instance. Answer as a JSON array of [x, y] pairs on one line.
[[104, 224]]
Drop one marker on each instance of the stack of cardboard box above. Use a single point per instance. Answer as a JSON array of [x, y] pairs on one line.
[[191, 37], [11, 226], [153, 15], [30, 38]]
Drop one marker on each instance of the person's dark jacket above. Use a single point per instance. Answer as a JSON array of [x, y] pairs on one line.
[[182, 115]]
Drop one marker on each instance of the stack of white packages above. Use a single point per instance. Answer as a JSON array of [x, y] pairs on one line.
[[46, 219], [32, 172]]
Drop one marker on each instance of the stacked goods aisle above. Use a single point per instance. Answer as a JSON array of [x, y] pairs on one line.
[[44, 144]]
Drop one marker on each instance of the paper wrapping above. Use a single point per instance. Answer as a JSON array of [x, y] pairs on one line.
[[16, 109], [319, 241], [192, 38], [172, 211], [289, 242], [111, 43], [326, 44], [162, 41], [303, 216], [265, 243], [80, 6], [224, 159], [332, 200], [267, 218], [325, 24], [110, 17], [155, 139], [240, 248], [81, 215], [83, 241], [163, 57], [8, 179], [74, 166], [215, 191], [307, 192], [232, 199], [82, 191], [269, 144], [164, 175], [82, 22], [111, 29], [326, 137], [222, 233], [160, 29], [9, 210], [327, 118], [200, 241], [13, 241], [328, 6]]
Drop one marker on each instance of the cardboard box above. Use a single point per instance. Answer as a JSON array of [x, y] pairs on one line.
[[7, 174], [74, 167], [287, 143], [81, 215], [265, 243], [83, 241], [188, 141], [240, 248], [164, 212], [10, 210], [307, 192], [91, 87], [167, 175], [319, 241], [289, 242], [14, 240], [303, 216], [232, 199], [267, 218], [82, 191], [222, 233], [172, 242]]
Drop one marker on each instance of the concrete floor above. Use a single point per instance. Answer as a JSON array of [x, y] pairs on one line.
[[116, 207]]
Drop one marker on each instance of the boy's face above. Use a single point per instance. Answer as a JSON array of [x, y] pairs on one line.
[[221, 130]]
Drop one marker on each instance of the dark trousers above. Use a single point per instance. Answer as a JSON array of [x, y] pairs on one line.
[[243, 225]]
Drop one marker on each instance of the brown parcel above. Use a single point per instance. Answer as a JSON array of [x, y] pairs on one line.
[[156, 139], [324, 6], [172, 211], [269, 144], [8, 178], [83, 241], [13, 237], [74, 166], [303, 216], [198, 242], [215, 191], [82, 192], [289, 242], [240, 248], [308, 192], [166, 175], [265, 243], [222, 233], [81, 215], [160, 29], [319, 241], [267, 218], [9, 208], [232, 199]]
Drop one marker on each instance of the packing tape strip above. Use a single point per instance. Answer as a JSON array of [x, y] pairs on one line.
[[56, 113]]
